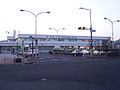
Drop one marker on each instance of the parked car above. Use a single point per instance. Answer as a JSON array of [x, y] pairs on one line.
[[95, 52], [102, 52], [85, 51], [77, 51], [113, 52]]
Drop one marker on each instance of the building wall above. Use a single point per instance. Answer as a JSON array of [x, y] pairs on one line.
[[50, 41]]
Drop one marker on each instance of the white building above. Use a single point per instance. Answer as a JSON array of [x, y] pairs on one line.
[[49, 41]]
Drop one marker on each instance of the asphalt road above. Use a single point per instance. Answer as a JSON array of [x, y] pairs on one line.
[[53, 72]]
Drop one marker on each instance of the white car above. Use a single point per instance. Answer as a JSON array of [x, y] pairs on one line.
[[95, 52], [102, 52], [77, 51], [85, 51]]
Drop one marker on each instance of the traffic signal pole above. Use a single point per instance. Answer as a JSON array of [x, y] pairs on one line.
[[91, 38]]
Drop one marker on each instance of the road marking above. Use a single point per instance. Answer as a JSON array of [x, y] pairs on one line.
[[43, 79]]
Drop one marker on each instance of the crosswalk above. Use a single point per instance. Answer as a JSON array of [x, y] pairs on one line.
[[54, 58]]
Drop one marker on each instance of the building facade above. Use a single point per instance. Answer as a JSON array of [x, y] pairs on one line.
[[47, 42]]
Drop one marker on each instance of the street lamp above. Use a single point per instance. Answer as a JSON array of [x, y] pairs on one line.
[[91, 40], [35, 15], [112, 22], [57, 30]]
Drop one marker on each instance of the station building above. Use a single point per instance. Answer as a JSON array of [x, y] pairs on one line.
[[48, 42]]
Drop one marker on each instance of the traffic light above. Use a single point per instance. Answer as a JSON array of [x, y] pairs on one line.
[[82, 28]]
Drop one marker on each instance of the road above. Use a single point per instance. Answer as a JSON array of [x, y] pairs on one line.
[[53, 72]]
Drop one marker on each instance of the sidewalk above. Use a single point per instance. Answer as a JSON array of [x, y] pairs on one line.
[[12, 59]]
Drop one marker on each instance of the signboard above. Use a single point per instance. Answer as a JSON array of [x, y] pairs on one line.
[[91, 41], [92, 30], [30, 36]]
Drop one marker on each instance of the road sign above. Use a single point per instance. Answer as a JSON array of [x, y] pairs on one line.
[[30, 36], [36, 40], [92, 30], [91, 41]]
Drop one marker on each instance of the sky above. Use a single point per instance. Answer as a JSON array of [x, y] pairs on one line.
[[64, 14]]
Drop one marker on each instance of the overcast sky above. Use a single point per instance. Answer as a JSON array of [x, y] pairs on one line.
[[64, 14]]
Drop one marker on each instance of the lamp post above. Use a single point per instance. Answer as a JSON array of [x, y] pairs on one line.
[[17, 48], [112, 22], [57, 30], [91, 40], [35, 15], [32, 46]]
